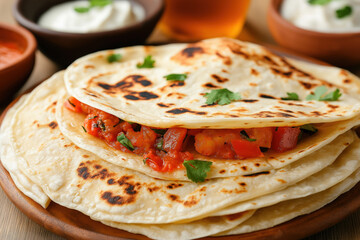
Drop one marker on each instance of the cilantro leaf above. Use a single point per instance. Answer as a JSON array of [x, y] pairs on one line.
[[343, 12], [309, 128], [101, 124], [116, 57], [175, 77], [148, 62], [221, 96], [125, 141], [144, 160], [319, 2], [93, 3], [159, 131], [82, 9], [159, 145], [244, 134], [197, 170], [332, 96], [291, 96], [84, 129], [319, 94], [92, 117], [99, 3]]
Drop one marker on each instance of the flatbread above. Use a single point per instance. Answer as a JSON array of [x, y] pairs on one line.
[[78, 179], [8, 159], [70, 124], [285, 211], [143, 95]]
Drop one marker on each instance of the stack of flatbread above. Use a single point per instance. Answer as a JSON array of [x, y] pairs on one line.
[[51, 158]]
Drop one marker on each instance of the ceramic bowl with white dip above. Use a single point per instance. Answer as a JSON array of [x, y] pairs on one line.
[[325, 29], [66, 30]]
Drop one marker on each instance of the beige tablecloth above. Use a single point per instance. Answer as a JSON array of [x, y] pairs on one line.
[[14, 225]]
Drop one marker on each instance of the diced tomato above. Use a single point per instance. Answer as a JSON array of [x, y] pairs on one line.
[[73, 104], [173, 139], [216, 143], [91, 125], [154, 161], [193, 132], [285, 138], [219, 143], [263, 135], [246, 149], [144, 140]]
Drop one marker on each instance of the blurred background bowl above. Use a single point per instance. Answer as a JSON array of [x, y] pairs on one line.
[[14, 74], [63, 48], [340, 49]]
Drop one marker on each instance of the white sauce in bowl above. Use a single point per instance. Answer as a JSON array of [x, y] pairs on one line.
[[64, 18], [322, 18]]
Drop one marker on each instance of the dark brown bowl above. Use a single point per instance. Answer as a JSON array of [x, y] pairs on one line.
[[341, 49], [14, 74], [63, 48]]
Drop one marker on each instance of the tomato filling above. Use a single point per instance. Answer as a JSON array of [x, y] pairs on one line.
[[164, 150]]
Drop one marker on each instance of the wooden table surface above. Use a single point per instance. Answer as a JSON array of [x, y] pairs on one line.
[[14, 225]]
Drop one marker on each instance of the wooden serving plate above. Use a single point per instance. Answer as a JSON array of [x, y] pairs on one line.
[[73, 224]]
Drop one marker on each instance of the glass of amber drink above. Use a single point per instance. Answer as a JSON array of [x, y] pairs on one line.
[[191, 20]]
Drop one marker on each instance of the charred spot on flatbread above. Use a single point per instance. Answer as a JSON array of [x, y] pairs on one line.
[[53, 125], [262, 95], [257, 174], [174, 185], [140, 96], [226, 59], [113, 199], [177, 84], [210, 85], [165, 105], [219, 79], [178, 111], [188, 55], [126, 83], [249, 100]]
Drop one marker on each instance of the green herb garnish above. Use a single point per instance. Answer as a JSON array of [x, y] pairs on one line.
[[116, 57], [148, 62], [344, 12], [84, 129], [197, 170], [319, 2], [159, 131], [92, 117], [309, 128], [244, 134], [82, 9], [176, 77], [319, 94], [291, 96], [221, 96], [125, 141], [93, 3], [144, 160], [159, 145], [101, 124]]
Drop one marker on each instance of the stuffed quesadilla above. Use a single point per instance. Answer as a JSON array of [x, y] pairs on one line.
[[131, 164], [236, 89]]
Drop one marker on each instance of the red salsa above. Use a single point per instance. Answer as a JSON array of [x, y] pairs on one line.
[[9, 52], [164, 150]]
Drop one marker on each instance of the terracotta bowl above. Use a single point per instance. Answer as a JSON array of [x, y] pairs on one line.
[[63, 48], [14, 74], [341, 49]]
